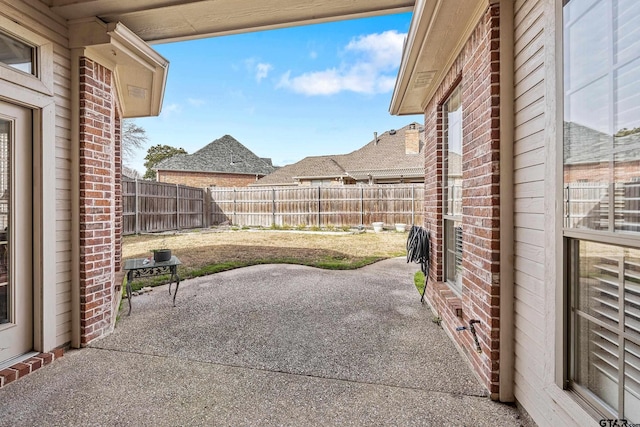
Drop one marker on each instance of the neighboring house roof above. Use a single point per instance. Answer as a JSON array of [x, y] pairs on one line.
[[313, 166], [385, 158], [587, 145], [224, 155]]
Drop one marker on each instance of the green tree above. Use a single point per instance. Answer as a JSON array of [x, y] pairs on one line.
[[155, 155], [134, 138]]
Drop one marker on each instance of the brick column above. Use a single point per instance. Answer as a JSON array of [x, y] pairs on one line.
[[477, 71], [99, 194]]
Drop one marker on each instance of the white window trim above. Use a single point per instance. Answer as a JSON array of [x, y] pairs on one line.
[[42, 82]]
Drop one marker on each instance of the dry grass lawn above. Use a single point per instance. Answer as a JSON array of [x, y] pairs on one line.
[[206, 251]]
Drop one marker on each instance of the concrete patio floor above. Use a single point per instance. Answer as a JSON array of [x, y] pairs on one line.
[[266, 345]]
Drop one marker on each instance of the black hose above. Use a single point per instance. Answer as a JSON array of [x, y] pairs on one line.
[[418, 251]]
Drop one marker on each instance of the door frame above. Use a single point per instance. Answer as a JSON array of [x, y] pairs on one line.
[[19, 245], [44, 201]]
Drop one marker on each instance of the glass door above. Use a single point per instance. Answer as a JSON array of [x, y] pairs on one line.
[[16, 254]]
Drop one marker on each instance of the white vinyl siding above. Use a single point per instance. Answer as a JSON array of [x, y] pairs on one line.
[[529, 175], [35, 17]]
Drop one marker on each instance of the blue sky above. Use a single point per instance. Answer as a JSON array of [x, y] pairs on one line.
[[284, 94]]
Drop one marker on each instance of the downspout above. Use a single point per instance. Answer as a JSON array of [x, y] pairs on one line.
[[507, 283], [75, 197]]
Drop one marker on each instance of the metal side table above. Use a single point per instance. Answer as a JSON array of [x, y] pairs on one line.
[[144, 267]]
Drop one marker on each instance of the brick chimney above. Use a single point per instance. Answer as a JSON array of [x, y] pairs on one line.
[[412, 139]]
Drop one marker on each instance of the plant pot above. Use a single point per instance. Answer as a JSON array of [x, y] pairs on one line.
[[377, 226], [400, 227], [161, 255]]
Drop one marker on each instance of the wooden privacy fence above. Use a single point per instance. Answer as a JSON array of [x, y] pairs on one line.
[[317, 206], [153, 206], [592, 205]]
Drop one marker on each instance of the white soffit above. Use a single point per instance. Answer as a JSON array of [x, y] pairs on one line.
[[140, 73], [438, 32], [173, 20]]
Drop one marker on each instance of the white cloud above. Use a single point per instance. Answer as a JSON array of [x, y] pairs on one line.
[[368, 68], [169, 110], [262, 70], [196, 102]]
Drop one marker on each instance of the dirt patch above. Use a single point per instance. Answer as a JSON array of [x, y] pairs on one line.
[[207, 252], [234, 244]]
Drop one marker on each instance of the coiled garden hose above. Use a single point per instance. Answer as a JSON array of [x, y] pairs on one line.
[[418, 251]]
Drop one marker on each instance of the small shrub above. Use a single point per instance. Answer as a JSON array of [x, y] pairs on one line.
[[331, 227], [345, 228], [286, 226], [275, 226], [245, 227], [301, 226], [315, 228]]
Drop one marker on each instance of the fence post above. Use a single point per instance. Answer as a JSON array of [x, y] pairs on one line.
[[413, 204], [234, 207], [273, 206], [362, 206], [319, 217], [205, 208], [137, 217], [178, 206]]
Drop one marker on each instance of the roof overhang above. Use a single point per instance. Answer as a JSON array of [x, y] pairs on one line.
[[438, 32], [140, 73], [171, 20]]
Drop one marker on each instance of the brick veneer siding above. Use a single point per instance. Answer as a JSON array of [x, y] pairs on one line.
[[100, 200], [206, 179], [19, 370], [477, 71]]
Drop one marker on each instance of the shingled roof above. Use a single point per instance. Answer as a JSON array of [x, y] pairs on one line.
[[586, 145], [385, 157], [224, 155]]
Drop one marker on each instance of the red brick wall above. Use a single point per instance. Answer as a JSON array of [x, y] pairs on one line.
[[477, 71], [206, 179], [100, 199]]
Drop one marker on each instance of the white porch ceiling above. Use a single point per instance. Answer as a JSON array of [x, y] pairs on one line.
[[174, 20]]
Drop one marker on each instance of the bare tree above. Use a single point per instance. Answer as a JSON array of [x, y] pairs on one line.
[[134, 138], [130, 173]]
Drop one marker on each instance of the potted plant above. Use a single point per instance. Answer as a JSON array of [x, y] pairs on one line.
[[401, 227], [377, 226], [163, 254]]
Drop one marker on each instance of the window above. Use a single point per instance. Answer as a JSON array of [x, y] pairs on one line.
[[602, 202], [17, 54], [452, 209]]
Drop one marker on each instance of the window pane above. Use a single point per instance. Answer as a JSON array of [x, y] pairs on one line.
[[606, 303], [5, 294], [626, 29], [453, 153], [453, 255], [16, 54], [632, 382], [632, 294], [597, 361], [587, 45]]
